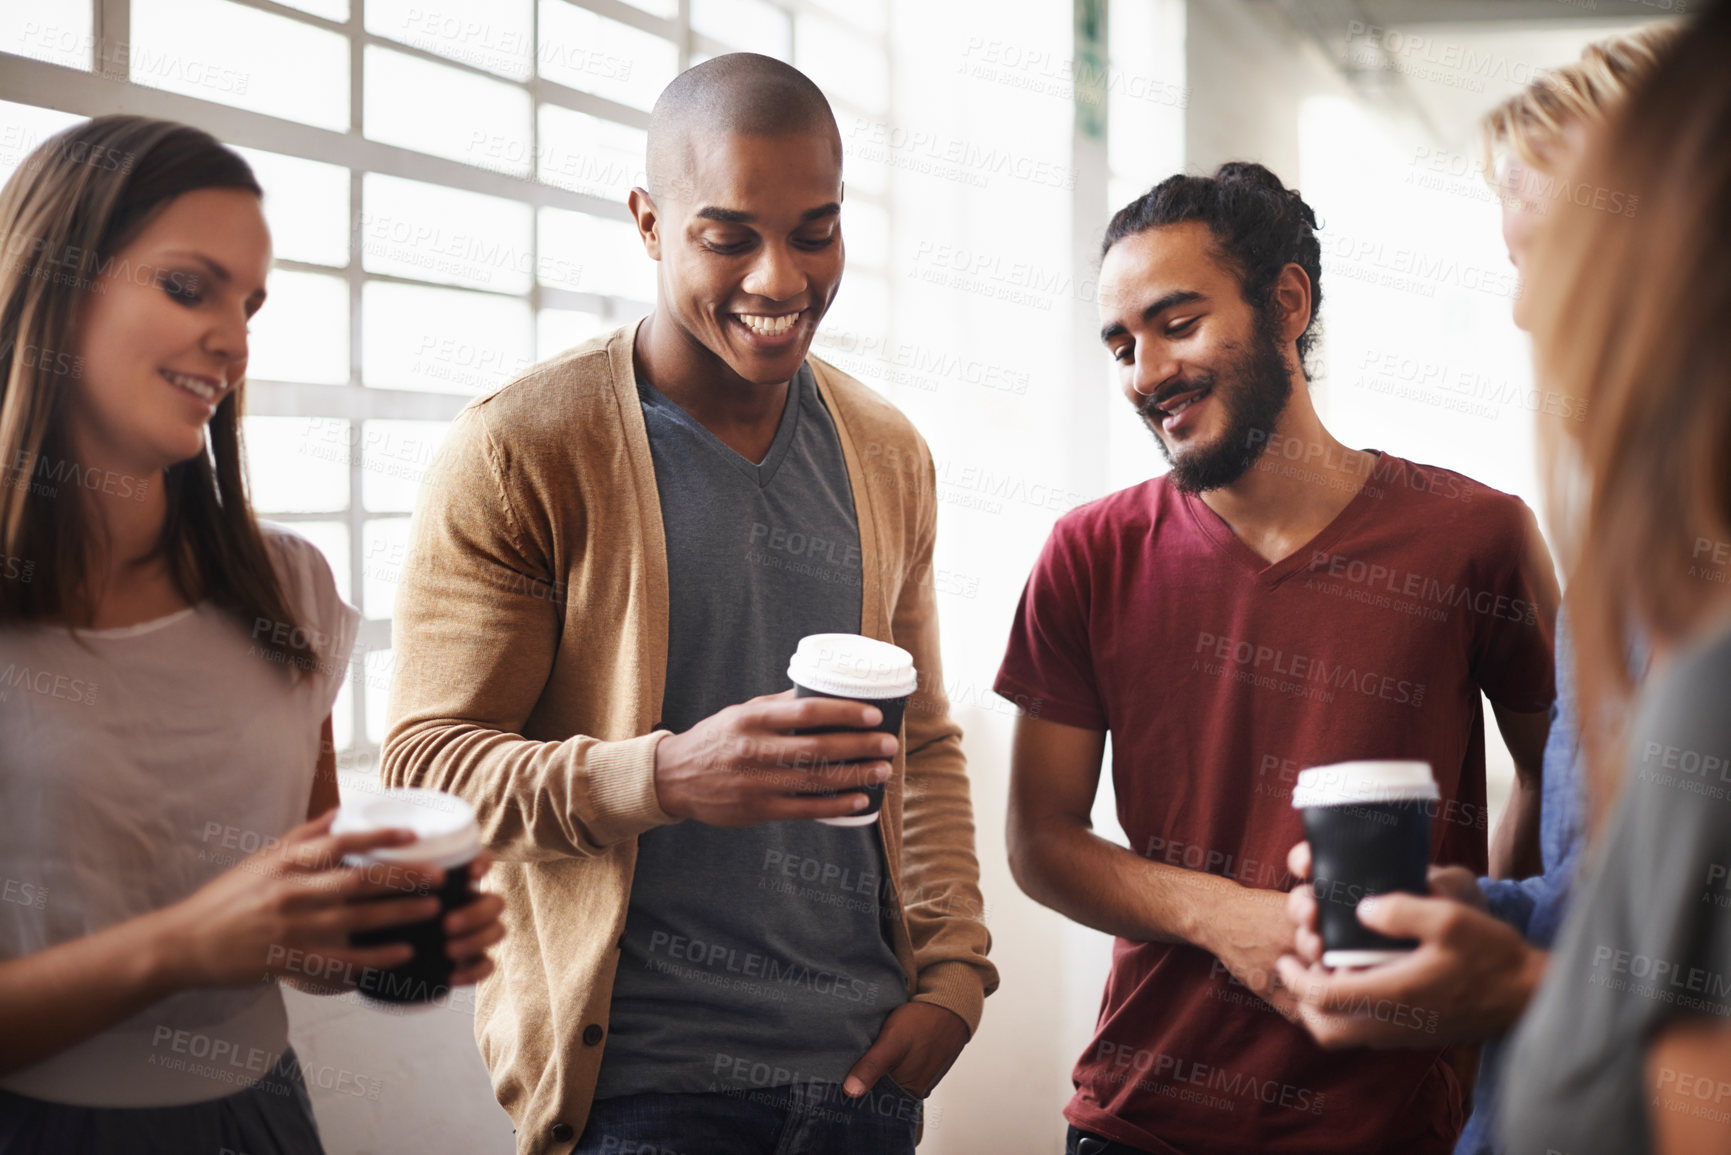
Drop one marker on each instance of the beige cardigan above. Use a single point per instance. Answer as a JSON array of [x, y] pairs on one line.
[[530, 659]]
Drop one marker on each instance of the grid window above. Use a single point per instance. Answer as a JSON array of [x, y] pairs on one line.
[[560, 329], [238, 55], [666, 9], [376, 671], [397, 456], [445, 183], [306, 204], [747, 25], [592, 254], [414, 229], [589, 154], [446, 111], [22, 128], [497, 36], [58, 31], [332, 537], [853, 68], [866, 227], [335, 10], [385, 547], [304, 334], [592, 53], [297, 464], [442, 340]]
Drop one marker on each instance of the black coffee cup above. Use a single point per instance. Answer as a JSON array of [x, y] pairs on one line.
[[448, 837], [864, 670], [1368, 824]]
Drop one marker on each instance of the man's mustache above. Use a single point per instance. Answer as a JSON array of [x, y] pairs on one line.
[[1202, 379]]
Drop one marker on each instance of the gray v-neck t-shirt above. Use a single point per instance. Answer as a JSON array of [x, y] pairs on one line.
[[757, 956]]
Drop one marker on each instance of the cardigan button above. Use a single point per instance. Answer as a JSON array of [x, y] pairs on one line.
[[562, 1133], [592, 1034]]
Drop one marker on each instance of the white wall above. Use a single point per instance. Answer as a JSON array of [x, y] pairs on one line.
[[1248, 75]]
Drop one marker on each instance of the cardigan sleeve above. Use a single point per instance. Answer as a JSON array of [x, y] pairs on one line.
[[477, 628], [940, 874]]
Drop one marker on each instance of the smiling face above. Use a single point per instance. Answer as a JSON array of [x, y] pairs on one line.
[[163, 339], [1204, 371], [750, 250]]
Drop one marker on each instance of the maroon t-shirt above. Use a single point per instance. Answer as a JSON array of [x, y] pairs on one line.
[[1219, 677]]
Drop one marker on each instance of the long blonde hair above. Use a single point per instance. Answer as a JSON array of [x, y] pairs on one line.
[[77, 200], [1630, 317]]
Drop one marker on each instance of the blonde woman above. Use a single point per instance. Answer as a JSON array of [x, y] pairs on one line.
[[1486, 942], [1533, 140], [167, 668], [1627, 1047]]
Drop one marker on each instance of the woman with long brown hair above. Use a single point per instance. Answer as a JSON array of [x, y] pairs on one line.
[[1627, 1047], [167, 669]]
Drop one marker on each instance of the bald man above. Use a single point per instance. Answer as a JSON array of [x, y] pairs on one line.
[[614, 558]]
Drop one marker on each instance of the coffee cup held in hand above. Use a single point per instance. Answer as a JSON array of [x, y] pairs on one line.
[[447, 837], [864, 670], [1369, 829]]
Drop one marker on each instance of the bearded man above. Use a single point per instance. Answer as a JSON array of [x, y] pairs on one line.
[[1276, 601]]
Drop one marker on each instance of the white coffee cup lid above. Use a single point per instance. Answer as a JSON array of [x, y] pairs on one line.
[[444, 825], [1361, 783], [853, 666]]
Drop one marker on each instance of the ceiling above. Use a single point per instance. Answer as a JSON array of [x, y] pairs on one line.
[[1333, 18], [1445, 62]]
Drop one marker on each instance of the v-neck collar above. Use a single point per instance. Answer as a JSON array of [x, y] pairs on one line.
[[1272, 574], [761, 472]]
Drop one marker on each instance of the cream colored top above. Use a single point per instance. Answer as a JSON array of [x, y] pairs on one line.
[[137, 764]]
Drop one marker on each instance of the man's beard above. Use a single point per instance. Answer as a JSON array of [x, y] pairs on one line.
[[1253, 391]]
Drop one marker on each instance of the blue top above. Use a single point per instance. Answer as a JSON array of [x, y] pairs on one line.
[[1536, 906]]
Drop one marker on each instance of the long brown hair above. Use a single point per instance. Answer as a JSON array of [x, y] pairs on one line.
[[75, 203], [1630, 316]]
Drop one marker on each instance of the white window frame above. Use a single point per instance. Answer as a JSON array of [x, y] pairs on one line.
[[85, 92]]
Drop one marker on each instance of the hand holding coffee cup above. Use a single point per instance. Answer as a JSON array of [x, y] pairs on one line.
[[1470, 978], [287, 911], [1451, 882], [446, 947], [865, 670], [760, 760], [1368, 827]]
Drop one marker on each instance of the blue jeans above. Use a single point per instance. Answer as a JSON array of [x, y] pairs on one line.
[[809, 1119]]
